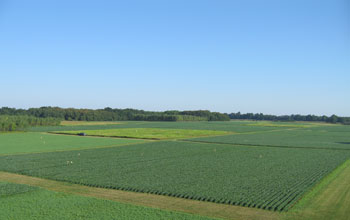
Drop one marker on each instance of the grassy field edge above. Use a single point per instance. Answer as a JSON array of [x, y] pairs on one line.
[[207, 209], [310, 195], [330, 199], [22, 201]]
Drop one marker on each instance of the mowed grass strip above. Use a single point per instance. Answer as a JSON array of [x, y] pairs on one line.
[[149, 133], [18, 201], [260, 177], [27, 142], [328, 200]]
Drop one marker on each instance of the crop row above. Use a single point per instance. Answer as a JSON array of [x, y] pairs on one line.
[[266, 178]]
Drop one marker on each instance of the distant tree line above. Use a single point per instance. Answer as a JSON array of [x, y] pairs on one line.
[[109, 114], [200, 115], [19, 122], [311, 118]]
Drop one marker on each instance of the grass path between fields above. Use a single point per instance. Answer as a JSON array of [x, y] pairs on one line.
[[148, 200], [330, 199]]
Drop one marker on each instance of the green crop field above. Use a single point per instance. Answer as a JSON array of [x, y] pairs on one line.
[[9, 189], [242, 168], [267, 178], [233, 126], [11, 143], [149, 133], [330, 137], [175, 109], [19, 201], [282, 124]]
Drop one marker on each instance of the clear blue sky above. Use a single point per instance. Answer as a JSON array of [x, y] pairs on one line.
[[277, 57]]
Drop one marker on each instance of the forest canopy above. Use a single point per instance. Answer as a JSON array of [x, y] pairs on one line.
[[19, 122], [109, 114]]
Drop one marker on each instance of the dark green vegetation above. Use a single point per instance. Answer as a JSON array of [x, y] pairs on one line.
[[14, 123], [148, 133], [262, 177], [9, 189], [109, 114], [11, 143], [19, 201], [328, 137]]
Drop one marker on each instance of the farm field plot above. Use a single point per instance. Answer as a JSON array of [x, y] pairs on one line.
[[11, 143], [19, 201], [267, 178], [149, 133], [233, 126], [331, 137], [333, 128], [80, 123], [9, 189], [285, 124]]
